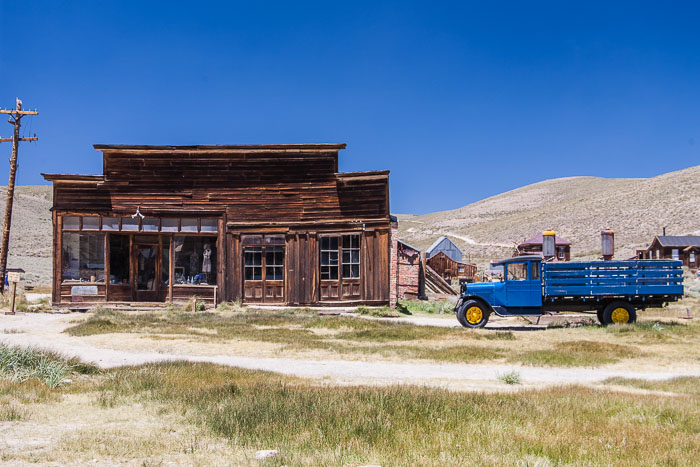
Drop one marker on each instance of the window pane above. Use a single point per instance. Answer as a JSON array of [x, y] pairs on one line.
[[149, 224], [355, 270], [91, 223], [251, 239], [129, 223], [346, 241], [118, 259], [188, 225], [71, 223], [333, 243], [165, 262], [210, 225], [351, 256], [169, 225], [535, 271], [333, 258], [195, 260], [517, 271], [274, 240], [110, 223], [83, 257]]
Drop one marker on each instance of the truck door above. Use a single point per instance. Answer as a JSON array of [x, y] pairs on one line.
[[523, 285]]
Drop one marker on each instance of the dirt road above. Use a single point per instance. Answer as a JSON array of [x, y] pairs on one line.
[[45, 331]]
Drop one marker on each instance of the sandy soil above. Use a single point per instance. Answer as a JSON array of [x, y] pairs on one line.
[[107, 351]]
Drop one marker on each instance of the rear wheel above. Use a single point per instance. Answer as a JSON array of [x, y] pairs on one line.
[[599, 314], [619, 313], [473, 314]]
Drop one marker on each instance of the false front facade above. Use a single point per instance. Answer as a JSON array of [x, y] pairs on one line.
[[262, 224]]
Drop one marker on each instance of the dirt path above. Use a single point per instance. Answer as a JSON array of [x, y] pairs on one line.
[[45, 331]]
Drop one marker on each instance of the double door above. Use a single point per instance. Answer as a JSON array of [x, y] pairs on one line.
[[263, 274]]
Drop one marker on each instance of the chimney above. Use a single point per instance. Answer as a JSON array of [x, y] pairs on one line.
[[607, 241], [549, 244], [664, 231]]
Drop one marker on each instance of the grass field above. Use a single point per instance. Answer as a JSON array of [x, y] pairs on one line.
[[658, 339], [206, 414]]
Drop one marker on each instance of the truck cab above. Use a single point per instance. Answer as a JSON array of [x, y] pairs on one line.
[[519, 293]]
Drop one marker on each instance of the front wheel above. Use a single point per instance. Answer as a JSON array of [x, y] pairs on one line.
[[473, 314], [619, 313]]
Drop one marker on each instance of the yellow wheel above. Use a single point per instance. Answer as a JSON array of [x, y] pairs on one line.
[[473, 314], [619, 313]]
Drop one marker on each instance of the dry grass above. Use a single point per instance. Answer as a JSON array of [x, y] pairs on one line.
[[659, 339], [210, 415]]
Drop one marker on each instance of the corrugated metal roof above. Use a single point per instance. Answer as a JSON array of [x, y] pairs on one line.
[[679, 240], [449, 248], [537, 240]]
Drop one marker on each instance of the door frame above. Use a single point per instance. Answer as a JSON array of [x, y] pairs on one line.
[[146, 295]]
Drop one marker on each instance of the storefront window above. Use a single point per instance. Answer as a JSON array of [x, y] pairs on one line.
[[130, 223], [71, 223], [119, 259], [165, 264], [195, 260], [189, 225], [209, 225], [110, 223], [91, 223], [149, 224], [170, 225], [83, 257]]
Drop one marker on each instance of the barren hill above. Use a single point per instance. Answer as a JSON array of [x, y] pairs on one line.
[[30, 236], [577, 208]]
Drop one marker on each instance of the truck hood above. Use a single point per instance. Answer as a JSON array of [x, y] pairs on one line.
[[485, 290]]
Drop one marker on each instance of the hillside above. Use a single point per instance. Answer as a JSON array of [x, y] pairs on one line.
[[30, 236], [577, 208]]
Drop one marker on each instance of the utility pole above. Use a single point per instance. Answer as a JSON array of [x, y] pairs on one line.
[[15, 119]]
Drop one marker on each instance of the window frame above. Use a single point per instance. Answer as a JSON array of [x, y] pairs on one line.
[[340, 252]]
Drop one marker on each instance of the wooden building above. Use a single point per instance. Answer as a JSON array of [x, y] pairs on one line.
[[533, 246], [682, 247], [445, 258], [260, 223]]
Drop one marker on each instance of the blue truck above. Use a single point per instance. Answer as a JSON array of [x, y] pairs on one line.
[[531, 287]]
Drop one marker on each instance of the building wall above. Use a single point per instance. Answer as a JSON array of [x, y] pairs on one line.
[[410, 276]]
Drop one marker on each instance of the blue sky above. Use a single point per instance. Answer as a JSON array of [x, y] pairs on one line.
[[460, 100]]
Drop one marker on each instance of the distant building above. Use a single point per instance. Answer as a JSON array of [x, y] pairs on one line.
[[533, 246], [410, 278], [445, 258], [683, 247]]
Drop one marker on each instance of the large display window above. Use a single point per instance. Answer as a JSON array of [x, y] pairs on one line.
[[83, 257], [195, 260]]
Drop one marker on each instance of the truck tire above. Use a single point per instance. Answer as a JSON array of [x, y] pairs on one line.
[[619, 313], [473, 314], [599, 313]]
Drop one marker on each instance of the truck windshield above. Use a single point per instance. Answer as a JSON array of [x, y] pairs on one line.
[[517, 272]]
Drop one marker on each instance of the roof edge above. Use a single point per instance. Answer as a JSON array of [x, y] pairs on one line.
[[72, 177], [219, 147]]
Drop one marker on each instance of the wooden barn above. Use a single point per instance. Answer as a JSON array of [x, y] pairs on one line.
[[260, 223], [682, 247], [533, 246], [445, 258]]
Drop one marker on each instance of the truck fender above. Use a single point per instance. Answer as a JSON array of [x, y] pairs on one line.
[[465, 298]]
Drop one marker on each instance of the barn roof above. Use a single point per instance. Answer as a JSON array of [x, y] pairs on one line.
[[537, 240], [679, 240], [453, 251]]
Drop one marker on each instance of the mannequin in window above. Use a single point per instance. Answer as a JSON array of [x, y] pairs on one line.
[[206, 262]]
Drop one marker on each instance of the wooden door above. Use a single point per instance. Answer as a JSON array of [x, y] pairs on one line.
[[340, 268], [146, 259], [263, 274]]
